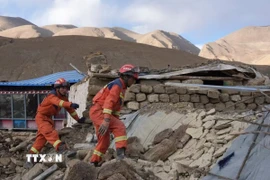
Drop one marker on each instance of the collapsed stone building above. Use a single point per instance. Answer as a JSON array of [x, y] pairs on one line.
[[179, 122]]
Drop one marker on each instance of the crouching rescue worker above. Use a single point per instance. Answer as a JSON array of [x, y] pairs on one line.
[[105, 113], [50, 106]]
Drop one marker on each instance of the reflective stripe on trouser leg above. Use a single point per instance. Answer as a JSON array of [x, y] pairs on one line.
[[46, 128], [101, 148], [97, 116], [34, 150], [118, 129], [96, 152], [56, 143], [38, 144], [120, 138], [107, 111], [97, 156]]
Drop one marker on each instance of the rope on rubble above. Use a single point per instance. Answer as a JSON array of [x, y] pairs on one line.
[[264, 93], [245, 121], [205, 172], [249, 132], [260, 125], [250, 148], [250, 122], [255, 132], [252, 97], [255, 113]]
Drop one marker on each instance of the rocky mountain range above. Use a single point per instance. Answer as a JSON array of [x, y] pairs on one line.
[[19, 28], [249, 45]]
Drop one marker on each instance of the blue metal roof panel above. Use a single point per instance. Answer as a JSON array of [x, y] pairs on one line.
[[70, 76]]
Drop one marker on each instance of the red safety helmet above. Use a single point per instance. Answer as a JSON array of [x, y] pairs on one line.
[[131, 70], [61, 82]]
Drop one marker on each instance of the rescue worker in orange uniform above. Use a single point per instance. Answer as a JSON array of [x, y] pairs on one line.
[[50, 106], [105, 113]]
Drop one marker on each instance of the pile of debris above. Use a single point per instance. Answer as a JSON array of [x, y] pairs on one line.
[[12, 152], [185, 143], [202, 138], [80, 138], [187, 152]]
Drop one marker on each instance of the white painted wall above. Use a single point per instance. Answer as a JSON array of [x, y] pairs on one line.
[[78, 94]]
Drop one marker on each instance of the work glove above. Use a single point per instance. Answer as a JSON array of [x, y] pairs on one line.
[[81, 120], [74, 105], [104, 127]]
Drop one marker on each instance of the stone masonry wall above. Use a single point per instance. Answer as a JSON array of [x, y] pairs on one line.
[[154, 91], [139, 95]]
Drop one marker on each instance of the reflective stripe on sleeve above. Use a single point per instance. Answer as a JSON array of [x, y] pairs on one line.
[[61, 103], [74, 113], [121, 95]]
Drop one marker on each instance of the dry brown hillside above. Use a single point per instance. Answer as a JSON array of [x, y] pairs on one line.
[[54, 28], [26, 31], [249, 45], [168, 40], [30, 58], [11, 22]]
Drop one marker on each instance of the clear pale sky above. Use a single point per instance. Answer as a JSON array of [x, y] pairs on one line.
[[199, 21]]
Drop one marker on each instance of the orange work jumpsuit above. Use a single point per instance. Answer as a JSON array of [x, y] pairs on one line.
[[50, 106], [107, 104]]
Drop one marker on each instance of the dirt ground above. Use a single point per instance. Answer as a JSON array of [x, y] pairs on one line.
[[30, 58]]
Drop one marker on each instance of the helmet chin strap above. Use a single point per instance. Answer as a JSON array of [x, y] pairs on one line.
[[126, 80], [59, 92]]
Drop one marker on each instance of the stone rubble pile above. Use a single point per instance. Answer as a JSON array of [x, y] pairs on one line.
[[199, 142], [13, 147]]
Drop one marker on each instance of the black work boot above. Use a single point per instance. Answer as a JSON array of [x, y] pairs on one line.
[[29, 165], [62, 149], [120, 152], [96, 164]]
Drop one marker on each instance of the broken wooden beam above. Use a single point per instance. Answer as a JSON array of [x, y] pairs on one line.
[[47, 172], [22, 145], [88, 156]]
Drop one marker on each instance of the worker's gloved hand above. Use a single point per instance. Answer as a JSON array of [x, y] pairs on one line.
[[74, 105], [104, 127], [81, 120]]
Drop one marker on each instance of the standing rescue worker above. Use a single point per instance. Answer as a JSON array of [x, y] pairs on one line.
[[50, 106], [105, 113]]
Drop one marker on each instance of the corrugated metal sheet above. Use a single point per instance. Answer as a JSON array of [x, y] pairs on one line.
[[209, 67], [70, 76]]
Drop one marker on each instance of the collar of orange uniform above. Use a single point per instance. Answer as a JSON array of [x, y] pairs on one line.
[[123, 84]]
